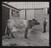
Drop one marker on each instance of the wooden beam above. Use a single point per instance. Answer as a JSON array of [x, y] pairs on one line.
[[9, 6], [32, 9]]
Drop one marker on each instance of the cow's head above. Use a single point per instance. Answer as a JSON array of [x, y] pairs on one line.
[[35, 22], [32, 23]]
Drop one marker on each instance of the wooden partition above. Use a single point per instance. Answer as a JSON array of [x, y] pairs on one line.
[[5, 17]]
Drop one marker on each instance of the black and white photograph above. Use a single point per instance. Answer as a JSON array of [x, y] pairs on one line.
[[25, 24]]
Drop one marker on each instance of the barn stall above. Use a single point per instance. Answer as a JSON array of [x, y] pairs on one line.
[[27, 13]]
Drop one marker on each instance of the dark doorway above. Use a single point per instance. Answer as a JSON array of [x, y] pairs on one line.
[[5, 17]]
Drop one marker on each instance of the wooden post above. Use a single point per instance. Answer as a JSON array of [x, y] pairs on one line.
[[25, 14]]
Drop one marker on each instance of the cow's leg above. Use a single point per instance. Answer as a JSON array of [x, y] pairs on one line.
[[26, 32], [12, 35], [8, 31]]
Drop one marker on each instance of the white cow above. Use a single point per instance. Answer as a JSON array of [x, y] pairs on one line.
[[15, 24]]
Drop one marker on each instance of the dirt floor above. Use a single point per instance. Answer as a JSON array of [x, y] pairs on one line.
[[34, 39]]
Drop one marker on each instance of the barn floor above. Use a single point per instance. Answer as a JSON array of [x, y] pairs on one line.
[[34, 39]]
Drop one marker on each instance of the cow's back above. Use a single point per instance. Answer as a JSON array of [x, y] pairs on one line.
[[17, 24]]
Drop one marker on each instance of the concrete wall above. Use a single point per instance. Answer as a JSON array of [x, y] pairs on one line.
[[30, 14]]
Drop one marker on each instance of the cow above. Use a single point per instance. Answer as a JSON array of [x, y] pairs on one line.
[[13, 24]]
